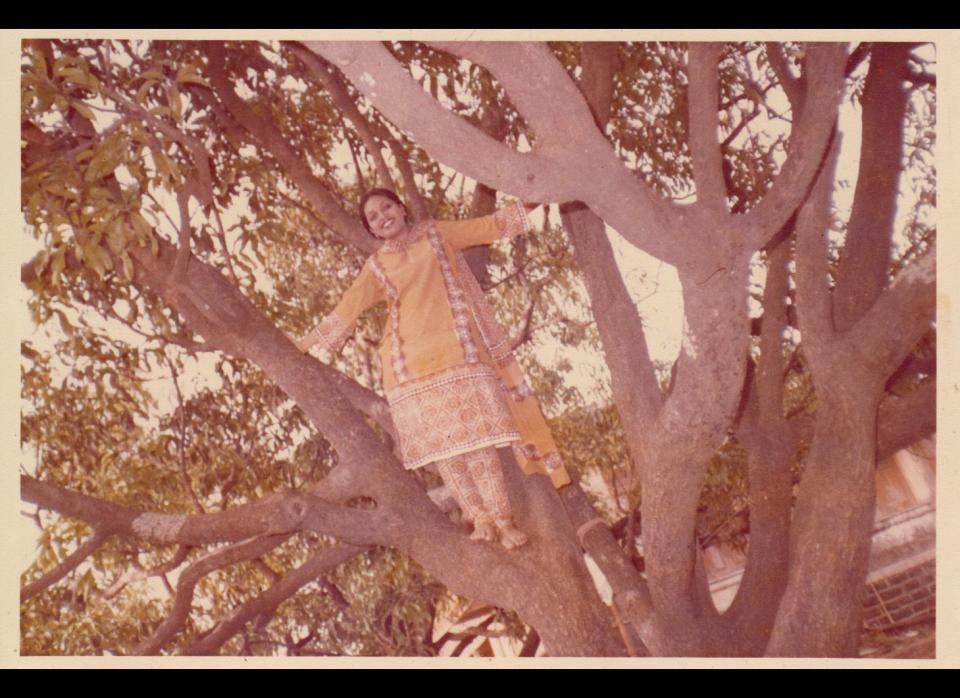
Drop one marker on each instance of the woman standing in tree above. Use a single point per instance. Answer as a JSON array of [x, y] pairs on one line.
[[454, 389]]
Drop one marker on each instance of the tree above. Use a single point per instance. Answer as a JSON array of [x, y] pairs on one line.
[[188, 197]]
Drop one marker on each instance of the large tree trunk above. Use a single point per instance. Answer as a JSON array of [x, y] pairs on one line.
[[832, 524], [674, 457], [771, 443]]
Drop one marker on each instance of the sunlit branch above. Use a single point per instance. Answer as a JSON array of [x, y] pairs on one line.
[[280, 512], [809, 138], [814, 307], [703, 99]]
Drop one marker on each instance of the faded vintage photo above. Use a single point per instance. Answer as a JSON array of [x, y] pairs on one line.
[[529, 347]]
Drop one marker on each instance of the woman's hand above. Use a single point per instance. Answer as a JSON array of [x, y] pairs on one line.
[[303, 344]]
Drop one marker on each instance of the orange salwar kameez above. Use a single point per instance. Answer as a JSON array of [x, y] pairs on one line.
[[452, 384]]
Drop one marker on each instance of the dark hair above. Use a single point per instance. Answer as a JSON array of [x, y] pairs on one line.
[[380, 192]]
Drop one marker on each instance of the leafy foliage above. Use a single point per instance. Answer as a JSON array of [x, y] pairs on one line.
[[121, 400]]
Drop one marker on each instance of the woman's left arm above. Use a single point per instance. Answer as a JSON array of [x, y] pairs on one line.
[[507, 222]]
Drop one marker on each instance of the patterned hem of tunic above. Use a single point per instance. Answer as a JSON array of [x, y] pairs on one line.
[[448, 413]]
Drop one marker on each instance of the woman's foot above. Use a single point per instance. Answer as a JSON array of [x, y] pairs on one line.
[[510, 536], [483, 529]]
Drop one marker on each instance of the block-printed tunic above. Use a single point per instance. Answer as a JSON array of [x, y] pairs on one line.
[[452, 384]]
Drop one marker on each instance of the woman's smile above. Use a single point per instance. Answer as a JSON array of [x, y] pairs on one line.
[[385, 217]]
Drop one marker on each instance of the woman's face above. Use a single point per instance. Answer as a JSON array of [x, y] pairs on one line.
[[385, 217]]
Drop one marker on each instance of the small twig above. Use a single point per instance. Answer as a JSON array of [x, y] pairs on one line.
[[162, 210], [68, 565], [361, 180], [222, 237], [182, 260], [158, 571], [181, 445], [740, 126], [189, 578], [272, 597], [707, 539]]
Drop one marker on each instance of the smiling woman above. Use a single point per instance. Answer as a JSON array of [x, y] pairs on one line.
[[455, 391]]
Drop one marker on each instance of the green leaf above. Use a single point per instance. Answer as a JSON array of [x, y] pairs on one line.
[[41, 263], [142, 92], [188, 73], [176, 104], [64, 323], [83, 109], [116, 236], [140, 225], [40, 62], [128, 274], [59, 263], [75, 76], [64, 64]]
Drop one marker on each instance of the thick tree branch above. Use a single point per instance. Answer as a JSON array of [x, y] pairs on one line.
[[771, 442], [231, 555], [905, 420], [814, 310], [70, 563], [599, 62], [808, 140], [320, 564], [857, 56], [900, 317], [207, 301], [281, 512], [514, 65], [630, 593], [795, 88], [634, 380], [536, 83], [579, 163], [864, 265], [703, 98], [342, 100], [375, 72], [267, 136]]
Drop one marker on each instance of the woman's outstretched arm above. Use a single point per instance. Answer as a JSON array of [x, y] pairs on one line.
[[509, 221], [334, 330]]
